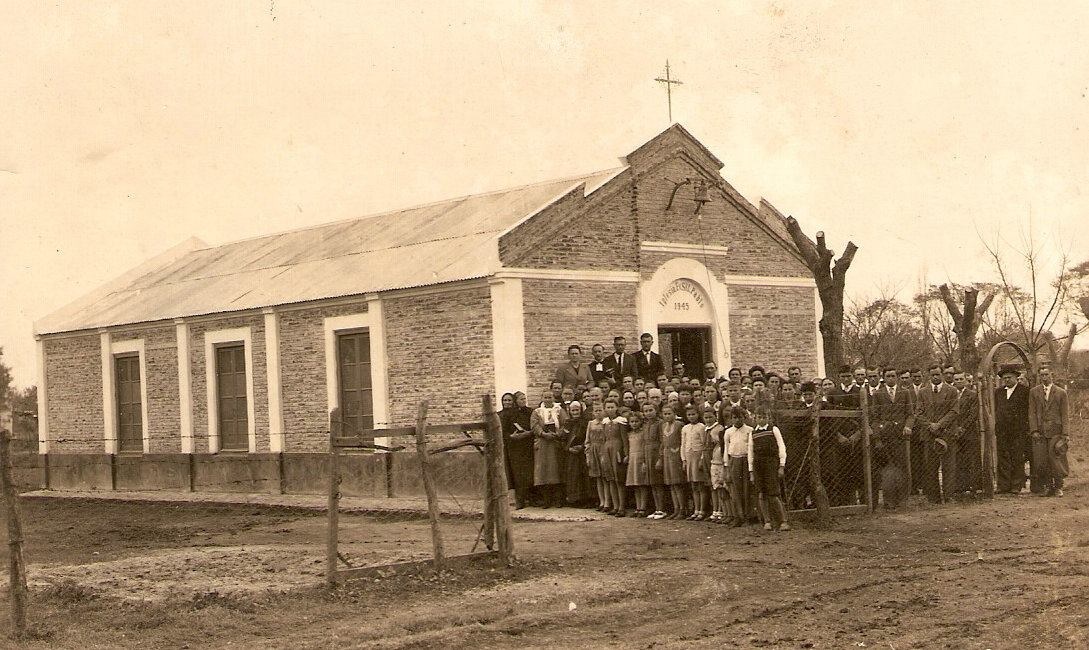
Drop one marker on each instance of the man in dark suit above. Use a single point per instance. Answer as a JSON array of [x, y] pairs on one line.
[[841, 451], [620, 363], [1011, 430], [648, 364], [893, 416], [599, 371]]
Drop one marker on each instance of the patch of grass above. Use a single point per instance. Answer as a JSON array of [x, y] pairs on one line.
[[229, 602], [69, 592]]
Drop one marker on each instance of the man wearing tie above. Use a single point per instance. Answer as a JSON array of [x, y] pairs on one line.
[[1011, 428], [648, 363], [620, 364], [1048, 416], [599, 371], [935, 415]]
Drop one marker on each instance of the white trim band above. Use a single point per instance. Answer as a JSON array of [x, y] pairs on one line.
[[683, 249], [565, 274], [272, 377], [769, 281]]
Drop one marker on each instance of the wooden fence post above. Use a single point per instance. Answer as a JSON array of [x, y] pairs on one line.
[[491, 484], [429, 484], [986, 437], [334, 498], [15, 539], [497, 459], [820, 496], [867, 459]]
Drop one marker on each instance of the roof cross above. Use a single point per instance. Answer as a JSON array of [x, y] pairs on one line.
[[669, 83]]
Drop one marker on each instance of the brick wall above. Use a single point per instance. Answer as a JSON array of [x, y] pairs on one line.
[[73, 372], [593, 233], [302, 375], [560, 313], [163, 403], [199, 384], [773, 327], [439, 347]]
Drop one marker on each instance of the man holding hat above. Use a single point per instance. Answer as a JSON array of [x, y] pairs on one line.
[[1048, 415], [1011, 429]]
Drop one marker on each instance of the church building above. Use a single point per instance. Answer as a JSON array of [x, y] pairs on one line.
[[212, 366]]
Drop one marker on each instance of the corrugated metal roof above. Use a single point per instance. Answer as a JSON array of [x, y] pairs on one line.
[[441, 242]]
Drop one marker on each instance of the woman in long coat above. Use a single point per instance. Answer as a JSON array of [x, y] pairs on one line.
[[518, 446], [577, 477], [549, 446]]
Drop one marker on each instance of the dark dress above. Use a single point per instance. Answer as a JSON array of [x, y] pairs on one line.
[[578, 478], [518, 451]]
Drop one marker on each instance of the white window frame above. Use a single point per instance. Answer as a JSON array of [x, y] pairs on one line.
[[373, 322], [111, 350], [213, 338]]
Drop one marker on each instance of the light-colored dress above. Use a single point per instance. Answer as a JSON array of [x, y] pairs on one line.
[[638, 473], [718, 465], [548, 454], [614, 449], [595, 446], [696, 452], [672, 467]]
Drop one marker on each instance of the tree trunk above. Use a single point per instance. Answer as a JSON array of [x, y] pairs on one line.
[[832, 330], [966, 323], [831, 280]]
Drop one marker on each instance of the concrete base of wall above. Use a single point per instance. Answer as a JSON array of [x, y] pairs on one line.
[[363, 475]]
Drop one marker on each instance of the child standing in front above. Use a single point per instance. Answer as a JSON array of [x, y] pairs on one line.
[[767, 460], [673, 474], [719, 495], [595, 445], [696, 456], [737, 465], [638, 478], [615, 456]]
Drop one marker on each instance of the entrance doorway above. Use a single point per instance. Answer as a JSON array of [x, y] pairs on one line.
[[689, 345]]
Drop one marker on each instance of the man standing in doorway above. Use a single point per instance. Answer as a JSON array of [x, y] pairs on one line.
[[1011, 429], [647, 362]]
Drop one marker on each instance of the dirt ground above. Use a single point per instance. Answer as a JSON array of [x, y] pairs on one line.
[[1008, 573]]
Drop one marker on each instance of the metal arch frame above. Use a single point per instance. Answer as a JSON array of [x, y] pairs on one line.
[[987, 380]]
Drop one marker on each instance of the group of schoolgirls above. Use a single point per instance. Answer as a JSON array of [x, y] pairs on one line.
[[710, 465]]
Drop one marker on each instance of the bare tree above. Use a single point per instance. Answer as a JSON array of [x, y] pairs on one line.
[[1038, 308], [831, 278], [966, 322], [883, 332]]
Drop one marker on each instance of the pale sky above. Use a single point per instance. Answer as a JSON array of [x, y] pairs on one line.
[[906, 127]]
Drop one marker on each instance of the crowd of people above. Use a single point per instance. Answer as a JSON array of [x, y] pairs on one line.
[[624, 435]]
